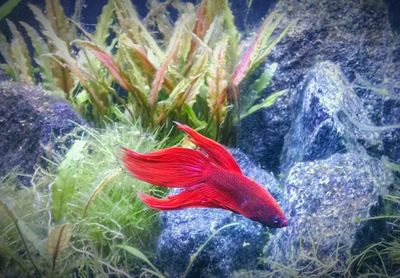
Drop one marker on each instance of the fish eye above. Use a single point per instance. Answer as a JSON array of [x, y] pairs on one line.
[[276, 220]]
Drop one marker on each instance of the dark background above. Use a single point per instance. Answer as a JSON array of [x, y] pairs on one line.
[[92, 9]]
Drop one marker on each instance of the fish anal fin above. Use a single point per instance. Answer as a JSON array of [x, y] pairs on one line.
[[200, 196]]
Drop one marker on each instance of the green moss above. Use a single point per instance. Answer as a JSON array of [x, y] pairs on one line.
[[94, 196]]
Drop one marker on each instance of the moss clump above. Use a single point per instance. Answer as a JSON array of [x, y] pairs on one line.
[[88, 201]]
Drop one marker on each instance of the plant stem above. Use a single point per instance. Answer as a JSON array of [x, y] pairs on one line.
[[194, 256], [26, 248]]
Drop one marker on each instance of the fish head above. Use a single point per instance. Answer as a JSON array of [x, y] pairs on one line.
[[271, 216]]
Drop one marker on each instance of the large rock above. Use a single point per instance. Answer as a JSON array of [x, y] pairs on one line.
[[328, 117], [324, 199], [262, 134], [184, 231], [391, 137], [29, 121], [357, 36]]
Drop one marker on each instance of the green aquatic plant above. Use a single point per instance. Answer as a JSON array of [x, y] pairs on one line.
[[79, 211], [7, 7], [39, 67], [155, 72], [138, 254], [381, 258]]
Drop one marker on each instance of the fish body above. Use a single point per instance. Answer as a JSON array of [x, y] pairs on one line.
[[209, 176], [253, 201]]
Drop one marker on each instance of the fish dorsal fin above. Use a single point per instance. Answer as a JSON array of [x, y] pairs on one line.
[[216, 152], [200, 196]]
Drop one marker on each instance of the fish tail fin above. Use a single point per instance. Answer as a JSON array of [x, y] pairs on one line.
[[171, 167]]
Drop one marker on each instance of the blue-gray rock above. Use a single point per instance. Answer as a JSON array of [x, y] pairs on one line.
[[394, 14], [328, 115], [3, 76], [323, 200], [391, 137], [236, 247], [30, 120], [261, 135], [357, 36]]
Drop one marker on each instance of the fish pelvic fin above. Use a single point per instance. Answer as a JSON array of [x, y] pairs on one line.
[[171, 167], [200, 196], [215, 151]]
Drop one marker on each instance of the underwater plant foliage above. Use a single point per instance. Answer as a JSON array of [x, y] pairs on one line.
[[7, 7], [75, 217], [154, 69]]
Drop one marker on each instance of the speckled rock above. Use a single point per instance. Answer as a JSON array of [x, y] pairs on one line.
[[184, 231], [357, 36], [328, 118], [391, 137], [29, 121], [323, 200], [262, 134]]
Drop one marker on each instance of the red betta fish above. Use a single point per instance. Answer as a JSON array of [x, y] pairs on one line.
[[210, 178]]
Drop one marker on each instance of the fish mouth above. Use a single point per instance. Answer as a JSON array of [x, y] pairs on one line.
[[284, 223]]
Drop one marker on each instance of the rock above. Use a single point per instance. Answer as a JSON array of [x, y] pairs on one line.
[[357, 36], [261, 135], [3, 76], [323, 200], [327, 118], [184, 231], [30, 120], [394, 14], [391, 137]]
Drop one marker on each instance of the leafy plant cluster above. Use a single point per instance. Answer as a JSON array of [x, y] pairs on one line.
[[82, 216], [153, 70]]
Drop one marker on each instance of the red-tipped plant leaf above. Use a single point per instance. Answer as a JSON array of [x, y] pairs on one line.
[[169, 56], [107, 60], [258, 49]]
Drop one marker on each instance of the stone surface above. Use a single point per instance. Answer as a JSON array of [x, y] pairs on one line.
[[29, 121], [327, 114], [184, 231], [356, 35], [391, 137], [3, 76], [323, 200], [262, 134]]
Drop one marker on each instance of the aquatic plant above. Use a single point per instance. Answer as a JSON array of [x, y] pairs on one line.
[[75, 216], [381, 258], [7, 7], [190, 72]]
